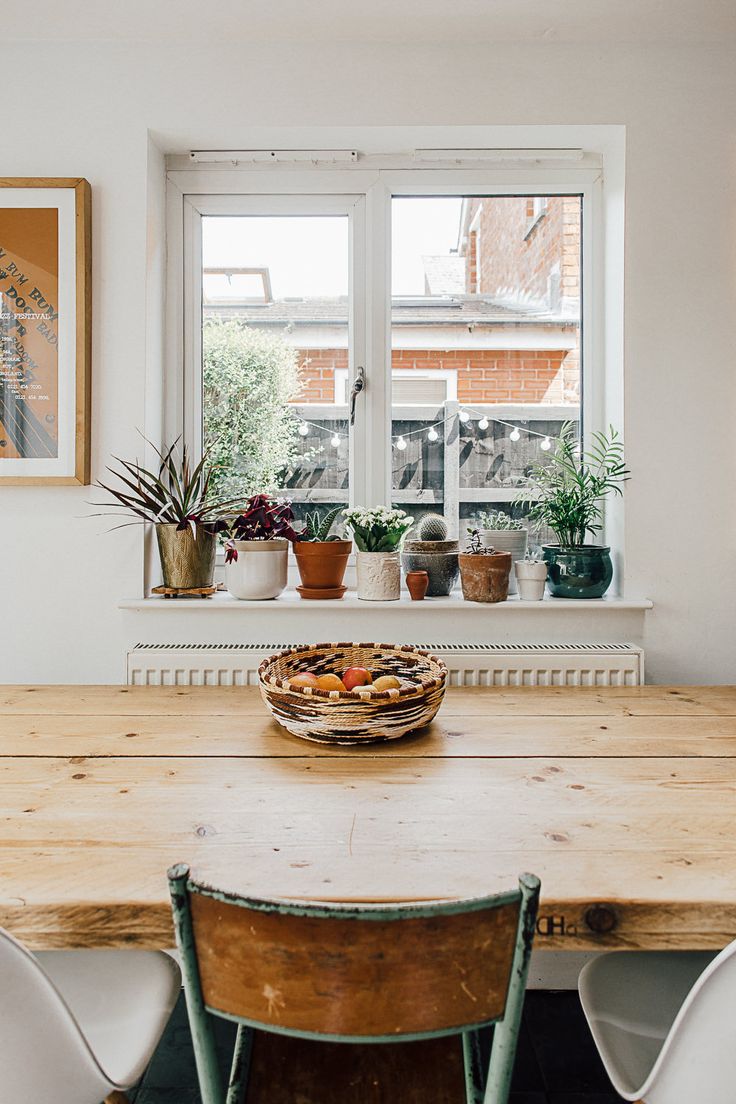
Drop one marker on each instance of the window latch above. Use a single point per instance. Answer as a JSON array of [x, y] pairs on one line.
[[358, 386]]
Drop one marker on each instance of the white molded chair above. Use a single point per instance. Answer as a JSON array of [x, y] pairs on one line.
[[664, 1024], [79, 1026]]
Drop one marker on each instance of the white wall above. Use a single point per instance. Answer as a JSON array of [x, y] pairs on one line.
[[90, 113]]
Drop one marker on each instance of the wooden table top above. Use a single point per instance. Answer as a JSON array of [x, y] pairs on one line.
[[623, 801]]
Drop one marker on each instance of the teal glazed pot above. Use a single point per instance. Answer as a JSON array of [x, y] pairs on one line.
[[580, 571]]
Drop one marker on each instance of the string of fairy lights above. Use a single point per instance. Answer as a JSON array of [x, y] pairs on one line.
[[432, 432]]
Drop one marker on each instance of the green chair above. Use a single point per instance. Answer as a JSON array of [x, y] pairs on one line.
[[355, 974]]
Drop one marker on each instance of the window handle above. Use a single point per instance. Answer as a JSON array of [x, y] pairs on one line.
[[358, 386]]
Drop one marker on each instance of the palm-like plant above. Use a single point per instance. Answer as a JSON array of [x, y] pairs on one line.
[[176, 493], [569, 491]]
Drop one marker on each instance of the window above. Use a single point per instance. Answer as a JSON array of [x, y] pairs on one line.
[[465, 295]]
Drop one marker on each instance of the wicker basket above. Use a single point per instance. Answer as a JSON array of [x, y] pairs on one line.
[[353, 716]]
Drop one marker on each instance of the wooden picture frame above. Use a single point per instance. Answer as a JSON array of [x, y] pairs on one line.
[[45, 331]]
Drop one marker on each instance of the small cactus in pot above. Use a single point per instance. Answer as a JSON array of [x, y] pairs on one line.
[[432, 552]]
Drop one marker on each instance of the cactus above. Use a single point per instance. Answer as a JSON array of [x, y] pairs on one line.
[[432, 527], [316, 528]]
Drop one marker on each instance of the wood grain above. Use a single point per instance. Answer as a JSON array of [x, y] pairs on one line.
[[633, 813], [351, 976]]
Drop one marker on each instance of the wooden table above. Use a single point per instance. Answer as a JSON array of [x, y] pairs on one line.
[[623, 801]]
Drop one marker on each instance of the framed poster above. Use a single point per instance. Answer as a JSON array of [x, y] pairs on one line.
[[45, 331]]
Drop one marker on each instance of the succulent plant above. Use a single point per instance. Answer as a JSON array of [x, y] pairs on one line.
[[498, 520], [317, 528], [432, 527]]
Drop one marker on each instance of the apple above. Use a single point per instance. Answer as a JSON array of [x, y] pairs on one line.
[[356, 676], [304, 678]]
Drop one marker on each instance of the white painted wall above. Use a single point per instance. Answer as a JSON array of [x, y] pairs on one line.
[[90, 112]]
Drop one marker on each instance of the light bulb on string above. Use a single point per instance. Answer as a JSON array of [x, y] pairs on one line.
[[514, 435], [546, 445], [463, 416], [303, 429], [335, 441], [483, 423], [433, 435], [401, 444]]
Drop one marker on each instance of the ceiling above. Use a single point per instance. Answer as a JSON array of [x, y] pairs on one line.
[[403, 22]]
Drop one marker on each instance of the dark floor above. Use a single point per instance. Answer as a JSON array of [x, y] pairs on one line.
[[557, 1062]]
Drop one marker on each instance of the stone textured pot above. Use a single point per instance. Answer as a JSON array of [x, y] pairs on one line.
[[531, 576], [580, 571], [485, 578], [322, 565], [260, 570], [379, 576], [507, 540], [437, 558], [417, 583], [186, 561]]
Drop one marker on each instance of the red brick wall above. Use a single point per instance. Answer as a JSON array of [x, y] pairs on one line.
[[483, 375], [510, 262]]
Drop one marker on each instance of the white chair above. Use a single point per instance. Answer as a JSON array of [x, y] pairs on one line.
[[77, 1027], [664, 1024]]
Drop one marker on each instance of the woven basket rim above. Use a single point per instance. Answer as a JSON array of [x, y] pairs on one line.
[[359, 693]]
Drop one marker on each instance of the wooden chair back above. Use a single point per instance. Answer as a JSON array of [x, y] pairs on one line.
[[355, 972]]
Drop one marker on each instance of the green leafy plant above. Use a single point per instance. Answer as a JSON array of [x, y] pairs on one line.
[[317, 528], [248, 378], [498, 520], [379, 529], [569, 491], [175, 493]]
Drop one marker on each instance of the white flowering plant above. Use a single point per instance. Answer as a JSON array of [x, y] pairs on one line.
[[378, 529]]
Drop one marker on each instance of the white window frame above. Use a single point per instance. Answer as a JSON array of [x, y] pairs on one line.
[[200, 189]]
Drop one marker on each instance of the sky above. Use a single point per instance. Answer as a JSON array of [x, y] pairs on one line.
[[308, 255]]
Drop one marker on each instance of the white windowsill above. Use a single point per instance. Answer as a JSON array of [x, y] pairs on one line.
[[290, 601]]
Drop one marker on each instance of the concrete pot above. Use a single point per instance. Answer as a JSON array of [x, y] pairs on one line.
[[531, 576], [186, 561], [485, 578], [507, 540], [379, 576], [438, 559], [260, 570]]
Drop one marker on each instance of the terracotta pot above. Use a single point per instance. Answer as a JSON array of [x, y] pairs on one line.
[[417, 582], [186, 561], [485, 578], [322, 565], [507, 540]]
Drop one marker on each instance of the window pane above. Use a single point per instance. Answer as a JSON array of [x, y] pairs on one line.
[[485, 346], [275, 354]]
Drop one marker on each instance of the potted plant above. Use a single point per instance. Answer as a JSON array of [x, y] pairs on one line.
[[257, 552], [570, 492], [178, 500], [378, 532], [531, 576], [504, 533], [484, 572], [321, 558], [434, 553]]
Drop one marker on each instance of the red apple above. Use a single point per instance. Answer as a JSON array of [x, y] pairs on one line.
[[356, 676]]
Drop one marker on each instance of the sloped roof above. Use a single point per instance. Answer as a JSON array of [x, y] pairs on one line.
[[444, 274], [442, 310]]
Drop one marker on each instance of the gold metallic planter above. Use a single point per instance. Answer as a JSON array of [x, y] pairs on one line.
[[186, 561]]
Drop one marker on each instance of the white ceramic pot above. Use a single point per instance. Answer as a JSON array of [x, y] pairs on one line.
[[531, 577], [379, 576], [507, 540], [260, 570]]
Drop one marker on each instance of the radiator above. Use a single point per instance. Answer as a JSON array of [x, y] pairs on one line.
[[468, 664]]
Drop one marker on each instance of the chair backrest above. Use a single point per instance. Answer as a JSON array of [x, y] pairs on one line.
[[698, 1058], [356, 972], [43, 1054]]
